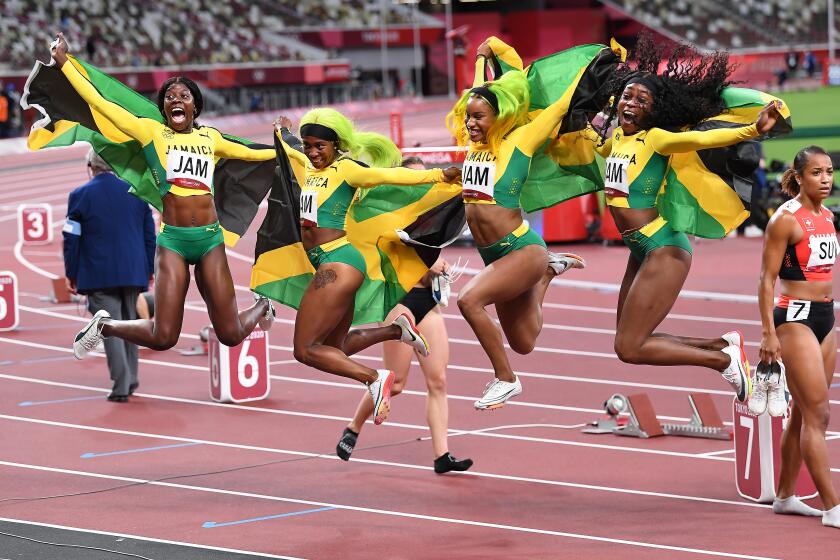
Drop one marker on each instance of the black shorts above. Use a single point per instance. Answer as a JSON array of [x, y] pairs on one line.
[[816, 315], [420, 302]]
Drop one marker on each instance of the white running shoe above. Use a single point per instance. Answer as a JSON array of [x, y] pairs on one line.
[[411, 335], [441, 289], [753, 231], [380, 391], [758, 399], [734, 338], [561, 262], [497, 393], [777, 396], [89, 337], [737, 373], [268, 319]]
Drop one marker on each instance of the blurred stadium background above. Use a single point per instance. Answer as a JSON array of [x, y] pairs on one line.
[[268, 56]]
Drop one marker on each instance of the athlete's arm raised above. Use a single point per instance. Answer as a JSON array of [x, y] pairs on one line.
[[367, 177], [294, 155], [233, 150], [136, 127], [667, 143], [535, 133]]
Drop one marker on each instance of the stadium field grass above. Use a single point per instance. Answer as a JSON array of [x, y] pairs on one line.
[[809, 109]]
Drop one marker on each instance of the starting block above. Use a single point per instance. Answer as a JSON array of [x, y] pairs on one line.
[[59, 292], [239, 373], [705, 421]]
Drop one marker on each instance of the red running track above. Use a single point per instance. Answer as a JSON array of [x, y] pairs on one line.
[[539, 489]]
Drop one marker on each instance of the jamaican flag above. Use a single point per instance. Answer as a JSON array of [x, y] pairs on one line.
[[239, 186], [707, 193], [398, 229], [565, 167]]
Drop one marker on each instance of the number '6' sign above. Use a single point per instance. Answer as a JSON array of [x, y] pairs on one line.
[[8, 300], [239, 373]]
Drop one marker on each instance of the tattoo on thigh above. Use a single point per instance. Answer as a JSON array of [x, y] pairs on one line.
[[324, 277]]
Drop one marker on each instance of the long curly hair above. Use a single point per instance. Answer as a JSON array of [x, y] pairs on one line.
[[688, 90], [372, 148], [514, 98]]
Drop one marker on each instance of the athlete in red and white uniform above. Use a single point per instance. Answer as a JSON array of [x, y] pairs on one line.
[[812, 258], [800, 248]]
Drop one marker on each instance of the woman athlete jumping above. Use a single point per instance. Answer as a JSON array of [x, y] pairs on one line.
[[492, 120], [323, 338], [182, 157], [651, 110]]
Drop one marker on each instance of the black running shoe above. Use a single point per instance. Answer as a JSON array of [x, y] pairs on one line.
[[447, 462], [346, 444]]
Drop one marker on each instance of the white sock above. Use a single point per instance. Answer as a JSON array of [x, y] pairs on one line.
[[792, 505], [831, 517]]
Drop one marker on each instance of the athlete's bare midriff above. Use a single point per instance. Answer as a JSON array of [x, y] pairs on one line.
[[806, 290], [628, 219], [490, 222], [314, 236], [189, 211]]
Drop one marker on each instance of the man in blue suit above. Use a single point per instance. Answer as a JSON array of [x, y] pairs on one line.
[[109, 255]]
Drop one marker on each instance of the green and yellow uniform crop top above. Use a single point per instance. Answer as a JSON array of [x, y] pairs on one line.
[[181, 163], [326, 194], [490, 178], [637, 164]]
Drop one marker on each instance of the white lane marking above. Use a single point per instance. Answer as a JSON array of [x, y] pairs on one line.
[[25, 262], [722, 452], [56, 207], [391, 424], [342, 419], [379, 359], [331, 457], [34, 193], [391, 513]]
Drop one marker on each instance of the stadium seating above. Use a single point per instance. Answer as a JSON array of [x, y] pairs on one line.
[[746, 23], [129, 33]]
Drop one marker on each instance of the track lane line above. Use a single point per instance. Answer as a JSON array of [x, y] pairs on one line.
[[386, 512], [417, 427], [377, 462]]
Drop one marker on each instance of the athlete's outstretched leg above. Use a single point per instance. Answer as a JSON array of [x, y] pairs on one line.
[[172, 279], [231, 325], [396, 357], [325, 305], [434, 370], [704, 343], [647, 302], [630, 273], [357, 340], [509, 277], [521, 318]]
